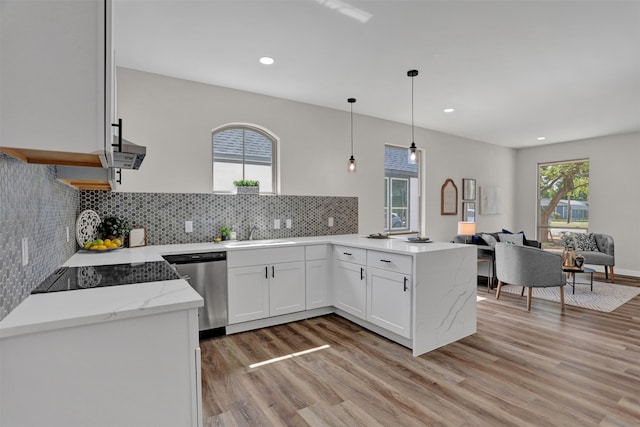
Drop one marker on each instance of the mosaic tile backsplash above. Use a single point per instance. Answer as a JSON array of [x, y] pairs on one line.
[[33, 204], [164, 214]]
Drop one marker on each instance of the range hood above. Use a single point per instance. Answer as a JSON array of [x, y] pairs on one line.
[[126, 154]]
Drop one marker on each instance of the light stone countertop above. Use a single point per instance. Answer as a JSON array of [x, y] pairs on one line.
[[41, 312]]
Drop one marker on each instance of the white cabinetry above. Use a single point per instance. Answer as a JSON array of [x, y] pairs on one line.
[[248, 289], [54, 75], [317, 276], [389, 291], [265, 282], [129, 371], [350, 280]]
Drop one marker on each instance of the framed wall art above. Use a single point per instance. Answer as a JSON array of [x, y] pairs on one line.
[[468, 189], [469, 211], [137, 237], [449, 198]]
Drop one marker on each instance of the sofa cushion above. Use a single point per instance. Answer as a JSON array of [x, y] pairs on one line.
[[585, 242], [491, 241], [516, 239]]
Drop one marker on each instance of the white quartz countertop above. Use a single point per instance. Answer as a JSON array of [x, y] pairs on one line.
[[155, 253], [41, 312]]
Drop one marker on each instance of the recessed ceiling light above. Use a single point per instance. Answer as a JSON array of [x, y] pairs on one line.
[[267, 60], [449, 110], [541, 138]]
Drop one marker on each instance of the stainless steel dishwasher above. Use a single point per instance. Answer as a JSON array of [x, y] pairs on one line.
[[207, 274]]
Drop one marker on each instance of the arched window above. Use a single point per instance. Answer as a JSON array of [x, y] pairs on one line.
[[244, 152]]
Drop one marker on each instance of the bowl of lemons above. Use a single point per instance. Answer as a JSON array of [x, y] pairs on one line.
[[102, 245]]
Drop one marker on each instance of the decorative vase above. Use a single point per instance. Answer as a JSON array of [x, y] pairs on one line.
[[579, 261], [569, 257], [248, 189]]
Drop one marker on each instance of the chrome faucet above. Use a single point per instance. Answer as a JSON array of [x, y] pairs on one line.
[[252, 229]]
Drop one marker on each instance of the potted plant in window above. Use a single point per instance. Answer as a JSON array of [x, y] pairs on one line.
[[244, 186]]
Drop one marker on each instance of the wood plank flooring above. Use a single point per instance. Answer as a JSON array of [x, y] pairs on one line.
[[540, 368]]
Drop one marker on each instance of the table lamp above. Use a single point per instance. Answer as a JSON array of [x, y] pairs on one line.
[[466, 228]]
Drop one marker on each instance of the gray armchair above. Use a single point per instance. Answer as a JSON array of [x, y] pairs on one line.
[[605, 254], [530, 268]]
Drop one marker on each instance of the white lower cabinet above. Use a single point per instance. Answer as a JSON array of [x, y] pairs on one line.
[[389, 300], [350, 288], [248, 289], [287, 288], [129, 371], [317, 276], [259, 288]]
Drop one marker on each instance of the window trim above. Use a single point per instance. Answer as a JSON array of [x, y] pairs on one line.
[[411, 206], [275, 154]]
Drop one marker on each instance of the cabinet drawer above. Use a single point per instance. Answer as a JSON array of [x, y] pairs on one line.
[[316, 252], [389, 261], [346, 253], [260, 256]]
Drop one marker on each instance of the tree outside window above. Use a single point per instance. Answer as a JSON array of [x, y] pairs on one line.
[[563, 200]]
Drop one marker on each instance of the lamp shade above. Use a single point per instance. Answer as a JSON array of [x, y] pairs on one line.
[[466, 228]]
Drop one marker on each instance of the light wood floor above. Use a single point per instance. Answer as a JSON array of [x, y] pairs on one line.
[[540, 368]]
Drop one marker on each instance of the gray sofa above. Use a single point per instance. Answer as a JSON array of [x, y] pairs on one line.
[[605, 255], [487, 269]]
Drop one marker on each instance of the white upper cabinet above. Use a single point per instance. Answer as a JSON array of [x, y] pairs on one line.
[[55, 71]]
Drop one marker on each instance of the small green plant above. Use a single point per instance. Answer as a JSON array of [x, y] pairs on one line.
[[114, 226], [224, 232], [246, 183]]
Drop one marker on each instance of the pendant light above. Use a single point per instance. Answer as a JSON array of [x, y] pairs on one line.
[[412, 148], [351, 164]]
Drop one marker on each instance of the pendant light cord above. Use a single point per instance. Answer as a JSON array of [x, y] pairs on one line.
[[413, 138], [351, 101]]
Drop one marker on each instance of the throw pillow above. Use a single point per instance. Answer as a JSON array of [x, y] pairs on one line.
[[516, 239], [478, 240], [491, 241], [524, 238], [585, 242]]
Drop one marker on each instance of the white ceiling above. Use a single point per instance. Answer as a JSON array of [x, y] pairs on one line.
[[513, 70]]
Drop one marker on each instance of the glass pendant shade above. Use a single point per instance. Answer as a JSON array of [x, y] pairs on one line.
[[412, 154], [351, 164]]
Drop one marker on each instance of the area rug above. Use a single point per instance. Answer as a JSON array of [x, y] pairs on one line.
[[605, 296]]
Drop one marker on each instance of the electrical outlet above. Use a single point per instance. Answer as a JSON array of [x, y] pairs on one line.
[[276, 224], [188, 226], [288, 223], [330, 221], [25, 251], [67, 233]]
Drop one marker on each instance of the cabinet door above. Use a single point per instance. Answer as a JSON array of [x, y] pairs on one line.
[[317, 283], [389, 300], [287, 288], [53, 72], [248, 293], [350, 288]]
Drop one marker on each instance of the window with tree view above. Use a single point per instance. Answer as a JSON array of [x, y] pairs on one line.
[[243, 153], [563, 200], [401, 190]]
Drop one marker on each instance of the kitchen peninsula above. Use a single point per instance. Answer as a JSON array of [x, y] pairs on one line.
[[421, 295]]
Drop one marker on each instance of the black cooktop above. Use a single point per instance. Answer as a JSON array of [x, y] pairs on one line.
[[95, 276]]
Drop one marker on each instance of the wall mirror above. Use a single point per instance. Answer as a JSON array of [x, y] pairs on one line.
[[449, 198], [468, 189], [469, 211]]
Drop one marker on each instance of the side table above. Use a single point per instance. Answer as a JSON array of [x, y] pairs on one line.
[[571, 271]]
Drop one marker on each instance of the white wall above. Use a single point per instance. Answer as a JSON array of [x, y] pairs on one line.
[[614, 196], [174, 119]]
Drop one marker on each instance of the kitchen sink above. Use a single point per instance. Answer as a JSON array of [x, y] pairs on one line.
[[257, 243]]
